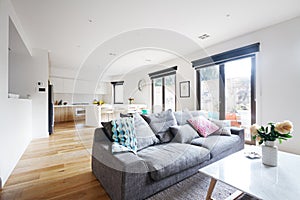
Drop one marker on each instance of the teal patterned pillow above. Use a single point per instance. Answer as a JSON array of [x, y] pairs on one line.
[[124, 136]]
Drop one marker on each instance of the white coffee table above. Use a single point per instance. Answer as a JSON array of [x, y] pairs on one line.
[[256, 179]]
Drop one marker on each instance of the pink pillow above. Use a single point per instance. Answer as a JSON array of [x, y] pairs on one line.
[[203, 126]]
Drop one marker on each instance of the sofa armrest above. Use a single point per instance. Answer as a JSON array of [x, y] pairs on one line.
[[99, 135], [119, 173], [238, 131]]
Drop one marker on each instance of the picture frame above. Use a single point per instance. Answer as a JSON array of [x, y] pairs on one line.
[[184, 89]]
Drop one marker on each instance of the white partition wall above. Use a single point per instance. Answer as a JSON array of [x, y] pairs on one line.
[[19, 118]]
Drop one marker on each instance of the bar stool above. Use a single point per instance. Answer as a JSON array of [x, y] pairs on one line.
[[108, 111]]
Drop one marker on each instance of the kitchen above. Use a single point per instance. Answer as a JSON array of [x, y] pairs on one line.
[[84, 107]]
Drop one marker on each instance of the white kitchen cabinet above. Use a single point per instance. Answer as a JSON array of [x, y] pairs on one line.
[[68, 85], [83, 87], [103, 88]]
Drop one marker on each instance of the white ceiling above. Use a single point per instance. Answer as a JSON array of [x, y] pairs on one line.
[[81, 32]]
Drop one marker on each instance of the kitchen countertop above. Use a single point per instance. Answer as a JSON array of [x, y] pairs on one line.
[[70, 105]]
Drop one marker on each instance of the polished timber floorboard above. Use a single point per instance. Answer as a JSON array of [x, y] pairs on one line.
[[58, 167]]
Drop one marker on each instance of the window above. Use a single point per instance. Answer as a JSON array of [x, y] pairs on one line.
[[118, 92], [226, 87], [164, 89]]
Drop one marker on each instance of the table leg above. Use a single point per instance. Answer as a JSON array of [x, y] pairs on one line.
[[211, 188]]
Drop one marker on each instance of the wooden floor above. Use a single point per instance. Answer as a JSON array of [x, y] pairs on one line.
[[58, 167]]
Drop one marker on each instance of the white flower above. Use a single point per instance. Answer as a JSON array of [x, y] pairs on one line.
[[284, 127], [253, 129]]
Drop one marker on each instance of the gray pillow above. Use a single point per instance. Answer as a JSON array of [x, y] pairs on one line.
[[183, 134], [198, 113], [160, 123], [224, 127], [182, 117], [144, 135]]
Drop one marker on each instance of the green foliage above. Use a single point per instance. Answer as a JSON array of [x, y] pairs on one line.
[[269, 133]]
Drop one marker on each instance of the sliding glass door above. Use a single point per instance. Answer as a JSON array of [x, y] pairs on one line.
[[209, 80], [227, 91], [163, 93], [169, 97], [157, 95]]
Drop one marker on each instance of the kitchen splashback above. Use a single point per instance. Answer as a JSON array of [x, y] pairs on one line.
[[79, 98]]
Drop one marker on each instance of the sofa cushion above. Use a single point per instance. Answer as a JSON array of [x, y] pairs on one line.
[[224, 127], [217, 143], [203, 126], [160, 124], [198, 113], [144, 135], [183, 134], [182, 116], [123, 135], [167, 159]]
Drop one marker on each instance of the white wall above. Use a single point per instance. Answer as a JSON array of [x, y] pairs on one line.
[[15, 116], [185, 72], [39, 72], [15, 135], [278, 75], [131, 88], [24, 74]]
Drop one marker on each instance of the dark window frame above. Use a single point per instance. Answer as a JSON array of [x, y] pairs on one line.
[[220, 60], [162, 74], [114, 92]]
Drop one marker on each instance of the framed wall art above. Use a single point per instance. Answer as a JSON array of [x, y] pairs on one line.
[[184, 89]]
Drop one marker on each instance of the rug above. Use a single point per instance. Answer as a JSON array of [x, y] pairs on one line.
[[195, 187]]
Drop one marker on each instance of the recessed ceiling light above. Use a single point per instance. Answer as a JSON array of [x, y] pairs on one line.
[[78, 46], [148, 60], [228, 15], [90, 20], [204, 36], [112, 54]]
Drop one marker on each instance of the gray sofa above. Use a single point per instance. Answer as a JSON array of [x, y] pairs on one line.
[[138, 176]]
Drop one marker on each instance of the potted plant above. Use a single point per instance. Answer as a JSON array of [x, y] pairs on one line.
[[268, 135]]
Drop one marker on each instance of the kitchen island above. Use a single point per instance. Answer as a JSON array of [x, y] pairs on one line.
[[92, 113], [66, 113], [106, 112]]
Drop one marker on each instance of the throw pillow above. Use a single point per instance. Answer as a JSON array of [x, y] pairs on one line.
[[160, 123], [108, 130], [182, 116], [203, 126], [198, 113], [183, 134], [124, 136], [224, 127], [144, 135]]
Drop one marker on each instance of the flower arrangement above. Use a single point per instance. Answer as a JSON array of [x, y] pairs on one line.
[[271, 132]]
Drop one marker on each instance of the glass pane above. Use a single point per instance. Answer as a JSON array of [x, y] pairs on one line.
[[209, 80], [170, 92], [157, 95], [238, 94], [119, 93]]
